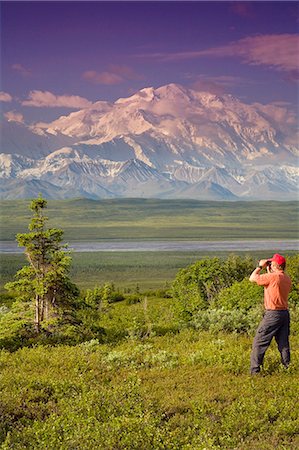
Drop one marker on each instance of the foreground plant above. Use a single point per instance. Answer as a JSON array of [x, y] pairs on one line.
[[45, 280]]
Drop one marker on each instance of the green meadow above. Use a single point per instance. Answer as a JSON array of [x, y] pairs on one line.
[[127, 270], [93, 220], [146, 385], [130, 375]]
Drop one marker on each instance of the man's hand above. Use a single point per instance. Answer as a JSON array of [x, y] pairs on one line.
[[263, 263], [255, 274]]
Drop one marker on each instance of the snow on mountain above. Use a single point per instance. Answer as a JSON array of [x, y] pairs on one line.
[[165, 142], [17, 138], [78, 123], [12, 165], [200, 120]]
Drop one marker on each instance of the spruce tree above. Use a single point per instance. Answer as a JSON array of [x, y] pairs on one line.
[[45, 280]]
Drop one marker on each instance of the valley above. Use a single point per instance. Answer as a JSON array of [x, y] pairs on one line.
[[86, 220]]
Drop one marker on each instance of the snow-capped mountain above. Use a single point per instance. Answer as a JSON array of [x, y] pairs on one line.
[[168, 142]]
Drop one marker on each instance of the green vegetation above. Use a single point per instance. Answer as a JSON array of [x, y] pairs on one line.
[[91, 220], [197, 287], [134, 376], [149, 270], [44, 280], [153, 353], [180, 391]]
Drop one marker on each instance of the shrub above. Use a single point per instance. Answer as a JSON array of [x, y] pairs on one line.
[[196, 287], [115, 297], [293, 271], [93, 297], [241, 295], [238, 320], [133, 299], [7, 299]]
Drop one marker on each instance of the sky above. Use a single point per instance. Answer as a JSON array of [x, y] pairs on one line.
[[58, 57]]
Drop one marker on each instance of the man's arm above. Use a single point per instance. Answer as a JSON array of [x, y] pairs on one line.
[[256, 273]]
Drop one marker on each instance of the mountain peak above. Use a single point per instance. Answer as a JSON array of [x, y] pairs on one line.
[[172, 89], [145, 94], [162, 141]]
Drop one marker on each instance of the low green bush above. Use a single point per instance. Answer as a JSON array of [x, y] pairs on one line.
[[133, 299], [116, 297], [196, 287], [293, 271], [227, 320], [240, 295], [189, 390]]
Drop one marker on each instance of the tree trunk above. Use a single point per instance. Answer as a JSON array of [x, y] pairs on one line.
[[46, 308], [37, 314], [42, 309]]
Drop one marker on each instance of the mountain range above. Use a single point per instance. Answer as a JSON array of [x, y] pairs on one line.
[[169, 142]]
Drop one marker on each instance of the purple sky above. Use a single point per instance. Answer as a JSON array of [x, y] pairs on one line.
[[61, 56]]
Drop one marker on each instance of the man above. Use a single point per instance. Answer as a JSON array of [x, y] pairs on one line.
[[276, 320]]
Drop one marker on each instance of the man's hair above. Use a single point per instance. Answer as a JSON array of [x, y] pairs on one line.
[[281, 266]]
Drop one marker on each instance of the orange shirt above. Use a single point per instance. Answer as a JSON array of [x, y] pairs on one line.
[[277, 286]]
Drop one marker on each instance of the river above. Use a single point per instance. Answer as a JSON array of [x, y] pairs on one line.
[[152, 246]]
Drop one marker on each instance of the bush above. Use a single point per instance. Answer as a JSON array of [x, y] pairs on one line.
[[133, 299], [103, 295], [238, 320], [93, 297], [115, 297], [241, 295], [293, 271], [7, 299], [196, 287]]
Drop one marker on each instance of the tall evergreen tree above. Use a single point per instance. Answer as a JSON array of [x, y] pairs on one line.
[[45, 280]]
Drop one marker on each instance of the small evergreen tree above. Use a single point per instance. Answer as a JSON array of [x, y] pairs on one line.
[[45, 281]]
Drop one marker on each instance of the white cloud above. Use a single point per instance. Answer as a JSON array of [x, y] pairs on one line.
[[13, 116], [45, 99], [279, 112], [5, 97], [107, 78], [115, 74], [214, 84], [279, 51]]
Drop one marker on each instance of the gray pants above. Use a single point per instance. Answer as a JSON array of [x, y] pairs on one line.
[[274, 324]]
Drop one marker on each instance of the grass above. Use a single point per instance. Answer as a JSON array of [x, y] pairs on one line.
[[147, 384], [91, 220], [186, 390], [148, 270]]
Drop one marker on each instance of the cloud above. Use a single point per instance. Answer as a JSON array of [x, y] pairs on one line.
[[45, 99], [5, 97], [208, 86], [114, 75], [21, 69], [13, 116], [216, 85], [108, 78], [279, 51]]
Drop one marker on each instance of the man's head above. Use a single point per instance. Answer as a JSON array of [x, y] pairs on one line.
[[277, 262]]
